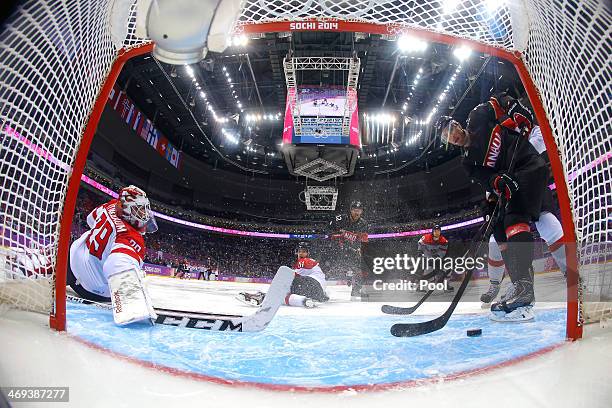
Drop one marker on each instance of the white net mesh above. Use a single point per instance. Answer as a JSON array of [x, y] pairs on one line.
[[54, 59], [56, 54]]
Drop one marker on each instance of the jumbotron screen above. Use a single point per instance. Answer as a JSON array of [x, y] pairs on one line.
[[322, 110]]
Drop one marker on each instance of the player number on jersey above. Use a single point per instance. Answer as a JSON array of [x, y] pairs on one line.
[[99, 236]]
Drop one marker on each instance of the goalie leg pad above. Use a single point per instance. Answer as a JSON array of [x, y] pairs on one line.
[[130, 299]]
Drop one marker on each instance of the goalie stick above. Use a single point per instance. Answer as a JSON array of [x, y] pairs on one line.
[[258, 321]]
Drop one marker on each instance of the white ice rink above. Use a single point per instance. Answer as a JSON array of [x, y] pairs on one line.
[[573, 375]]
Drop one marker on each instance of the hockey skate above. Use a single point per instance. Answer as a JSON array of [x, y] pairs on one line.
[[309, 303], [488, 297], [516, 304], [251, 299]]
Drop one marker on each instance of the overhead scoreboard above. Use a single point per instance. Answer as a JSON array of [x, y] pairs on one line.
[[321, 112]]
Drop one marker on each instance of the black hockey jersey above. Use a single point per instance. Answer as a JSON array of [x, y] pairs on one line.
[[348, 233], [493, 140]]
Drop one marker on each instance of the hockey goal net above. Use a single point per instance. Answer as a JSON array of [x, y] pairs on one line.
[[60, 58]]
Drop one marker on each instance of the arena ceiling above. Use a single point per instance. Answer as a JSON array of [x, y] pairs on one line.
[[398, 88]]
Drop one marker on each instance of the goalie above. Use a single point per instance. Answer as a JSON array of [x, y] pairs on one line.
[[105, 263]]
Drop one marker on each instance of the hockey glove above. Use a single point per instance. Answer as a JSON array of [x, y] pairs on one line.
[[488, 206], [504, 186]]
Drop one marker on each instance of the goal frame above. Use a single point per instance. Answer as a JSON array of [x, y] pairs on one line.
[[573, 323]]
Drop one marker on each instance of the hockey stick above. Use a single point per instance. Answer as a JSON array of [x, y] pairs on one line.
[[398, 310], [258, 321], [416, 329]]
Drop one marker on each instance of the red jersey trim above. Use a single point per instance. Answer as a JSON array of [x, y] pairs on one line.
[[517, 229], [496, 263], [127, 252], [429, 239], [305, 263]]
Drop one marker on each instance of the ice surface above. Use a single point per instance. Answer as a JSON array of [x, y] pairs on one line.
[[573, 375], [333, 345]]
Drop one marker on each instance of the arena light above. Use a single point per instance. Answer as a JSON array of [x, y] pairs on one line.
[[414, 139], [229, 136], [382, 117], [462, 53], [240, 40], [252, 117], [409, 44]]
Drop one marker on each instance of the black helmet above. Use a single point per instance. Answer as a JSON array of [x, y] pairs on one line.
[[436, 227], [303, 246], [356, 204]]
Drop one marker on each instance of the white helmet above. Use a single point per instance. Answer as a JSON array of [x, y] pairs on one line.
[[136, 209]]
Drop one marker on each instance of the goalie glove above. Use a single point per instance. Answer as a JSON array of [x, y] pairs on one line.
[[504, 186]]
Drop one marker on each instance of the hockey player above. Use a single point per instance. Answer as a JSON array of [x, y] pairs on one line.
[[307, 288], [506, 164], [106, 262], [550, 230], [548, 225], [349, 233], [434, 246]]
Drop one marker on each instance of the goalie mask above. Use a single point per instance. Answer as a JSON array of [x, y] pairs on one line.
[[135, 209]]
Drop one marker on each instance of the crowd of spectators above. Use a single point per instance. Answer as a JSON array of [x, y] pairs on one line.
[[419, 219], [233, 255]]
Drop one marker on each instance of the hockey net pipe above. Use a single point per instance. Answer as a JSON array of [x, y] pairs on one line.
[[60, 58]]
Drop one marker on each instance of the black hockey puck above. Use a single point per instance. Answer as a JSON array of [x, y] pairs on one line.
[[474, 332]]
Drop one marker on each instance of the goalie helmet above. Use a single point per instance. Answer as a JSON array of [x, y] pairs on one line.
[[135, 209]]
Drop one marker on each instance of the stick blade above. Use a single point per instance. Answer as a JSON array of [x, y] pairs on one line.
[[417, 329], [396, 310]]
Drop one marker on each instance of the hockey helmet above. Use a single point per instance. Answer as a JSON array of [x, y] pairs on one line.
[[356, 204], [135, 209], [303, 246]]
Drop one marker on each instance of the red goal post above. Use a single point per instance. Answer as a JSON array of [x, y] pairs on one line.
[[62, 57]]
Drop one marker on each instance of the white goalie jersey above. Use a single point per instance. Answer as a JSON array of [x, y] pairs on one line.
[[110, 246]]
